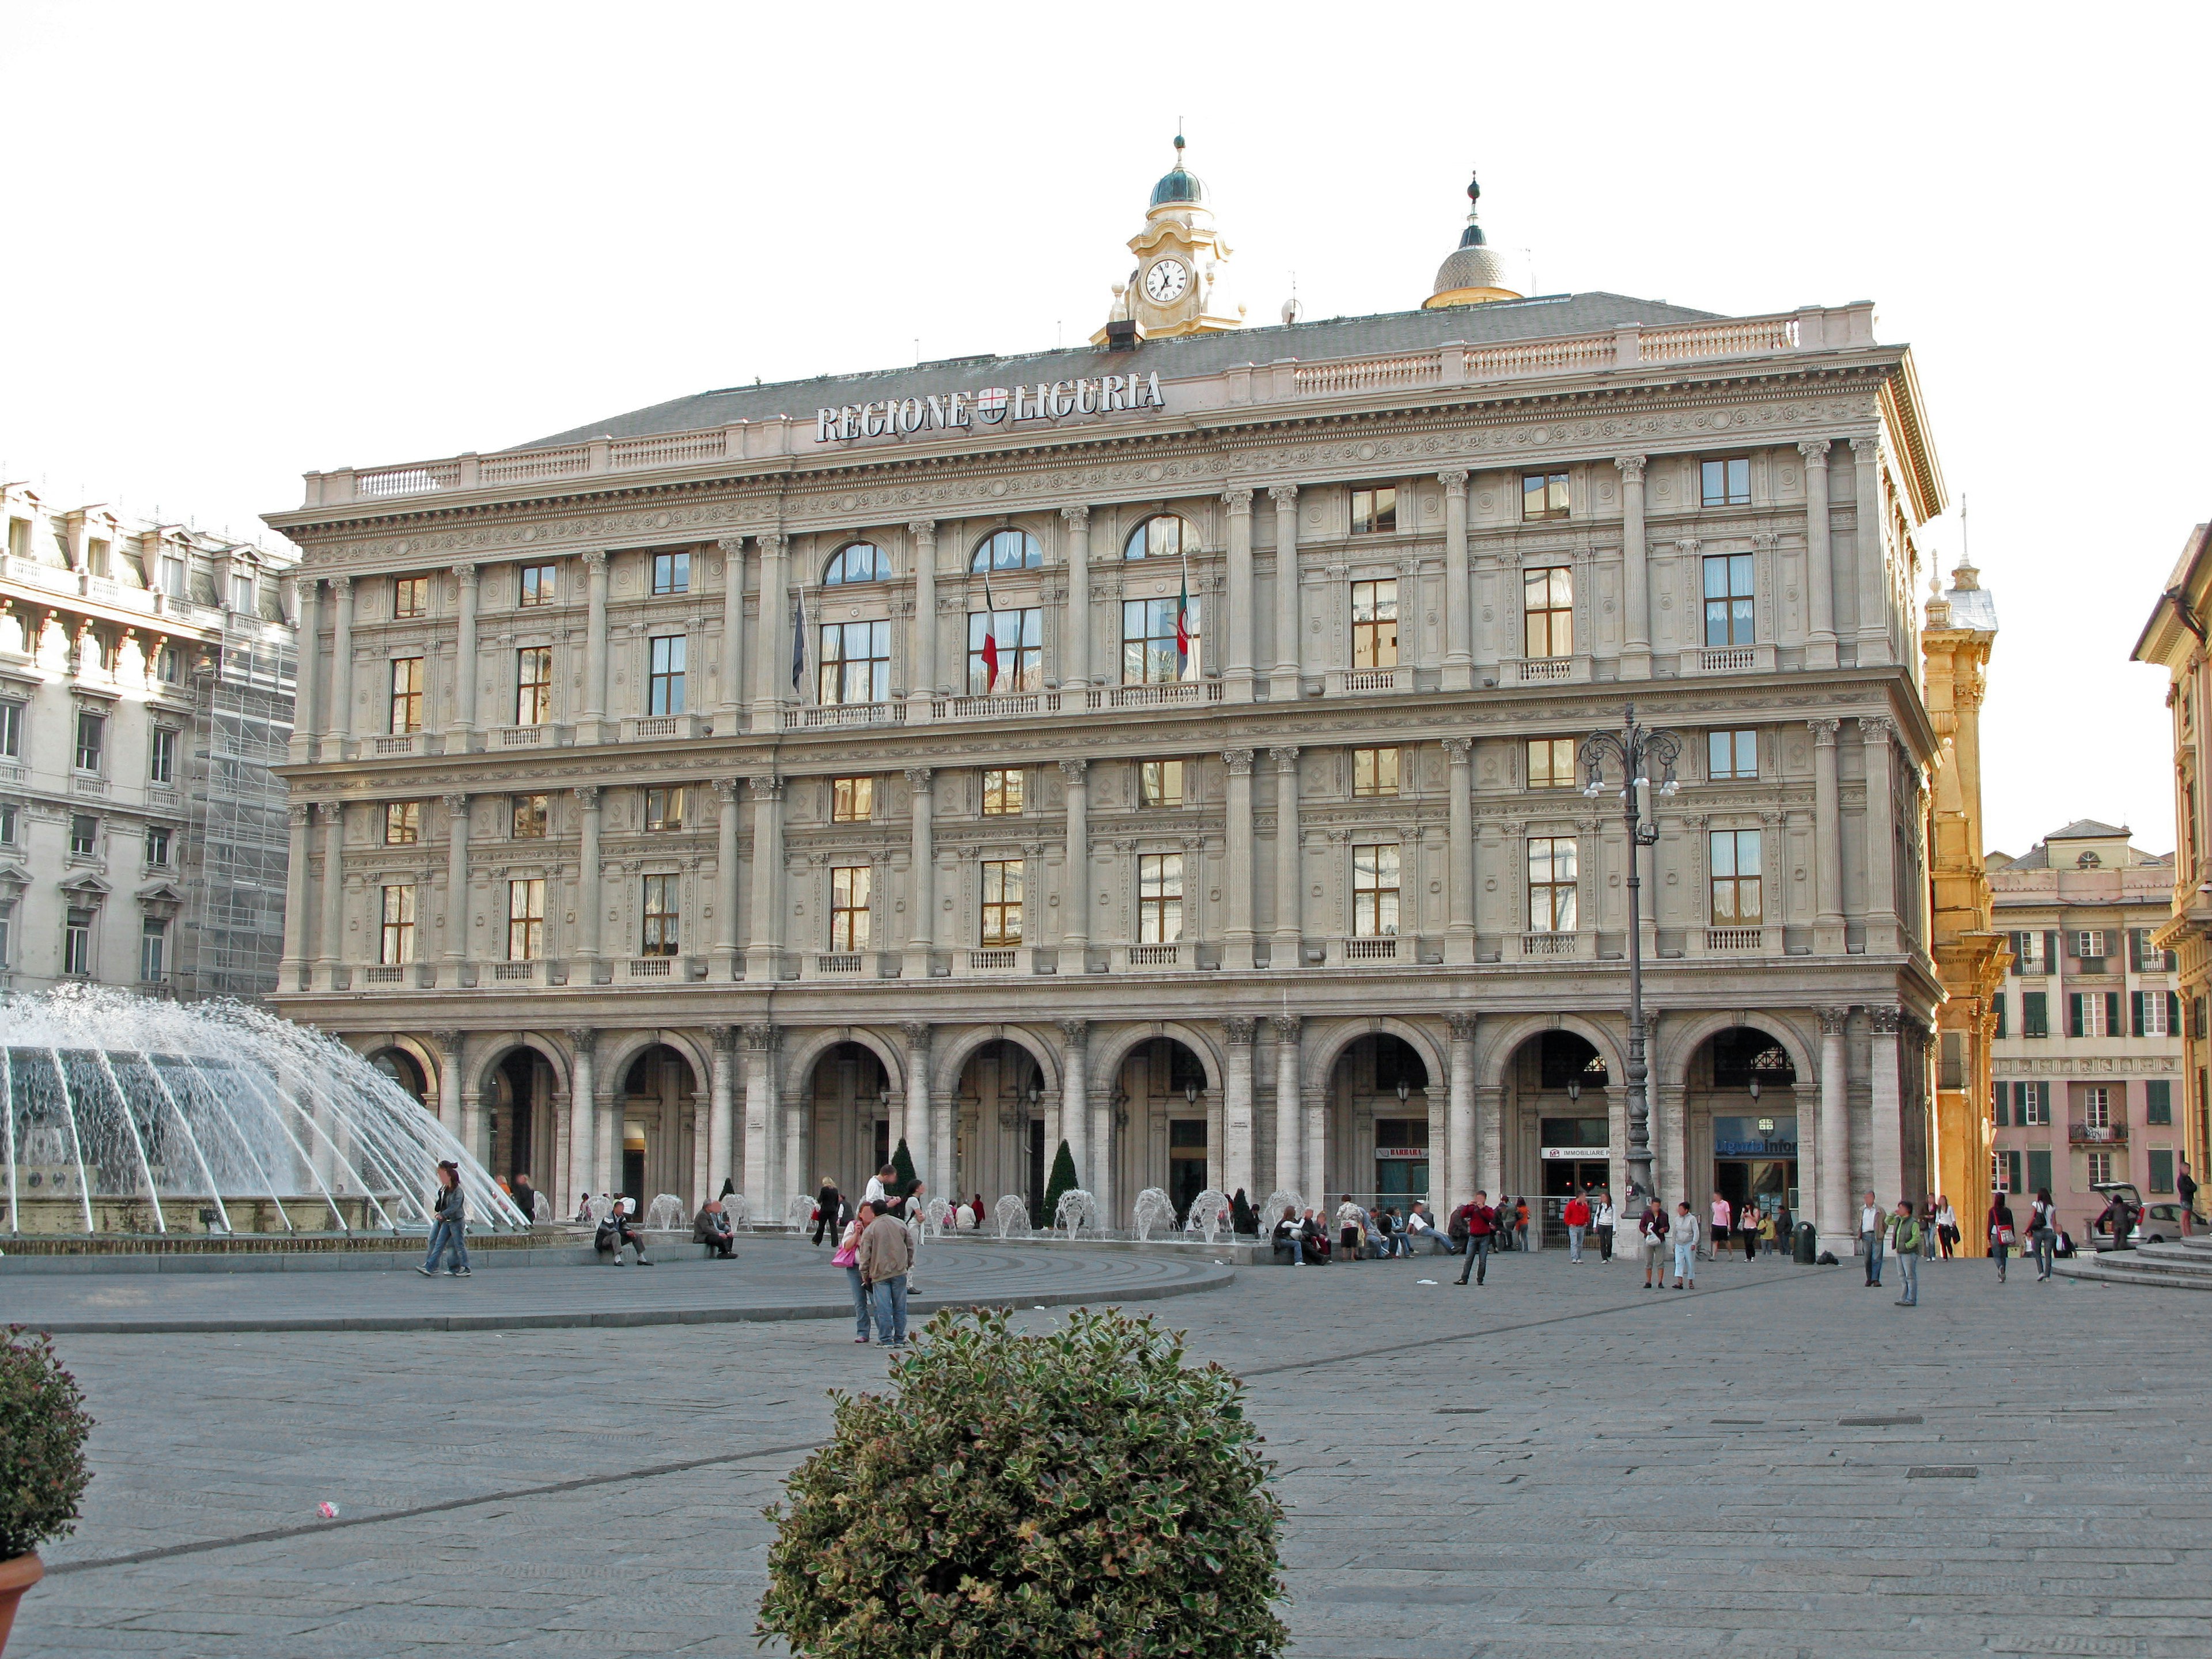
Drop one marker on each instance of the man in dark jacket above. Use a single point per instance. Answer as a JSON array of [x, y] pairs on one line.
[[711, 1227], [1480, 1222], [828, 1207]]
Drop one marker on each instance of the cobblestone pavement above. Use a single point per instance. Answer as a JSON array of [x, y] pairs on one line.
[[772, 1278], [1780, 1464]]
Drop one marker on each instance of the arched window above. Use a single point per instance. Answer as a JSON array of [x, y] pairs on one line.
[[401, 1068], [1163, 535], [862, 561], [1008, 550]]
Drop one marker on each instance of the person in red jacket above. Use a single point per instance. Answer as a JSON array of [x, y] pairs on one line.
[[1577, 1216], [1481, 1224]]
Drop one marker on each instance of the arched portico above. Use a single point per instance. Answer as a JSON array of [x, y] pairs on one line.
[[1738, 1113]]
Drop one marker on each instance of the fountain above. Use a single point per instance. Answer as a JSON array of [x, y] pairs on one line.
[[1270, 1210], [124, 1114], [1009, 1212], [1076, 1210], [664, 1213], [1209, 1215], [938, 1212], [798, 1211], [733, 1205], [1154, 1208]]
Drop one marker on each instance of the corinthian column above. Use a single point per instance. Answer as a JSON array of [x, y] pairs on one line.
[[329, 952], [1819, 559], [922, 906], [589, 904], [1873, 562], [726, 879], [1236, 955], [583, 1045], [921, 680], [915, 1131], [721, 1123], [294, 960], [774, 634], [764, 948], [304, 729], [1459, 604], [1635, 571], [1288, 940], [466, 667], [341, 710], [1886, 1127], [1238, 1171], [1830, 1179], [1237, 674], [731, 704], [1075, 653], [1827, 842], [1075, 1099], [1287, 1105], [457, 887], [1283, 683], [1459, 880], [759, 1181], [1459, 1114], [1881, 920], [1075, 887], [595, 649]]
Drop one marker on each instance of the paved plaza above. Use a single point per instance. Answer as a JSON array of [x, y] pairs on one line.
[[1781, 1463]]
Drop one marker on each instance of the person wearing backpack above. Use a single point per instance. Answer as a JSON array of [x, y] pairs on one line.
[[1904, 1240], [2043, 1231], [1476, 1224], [2001, 1234]]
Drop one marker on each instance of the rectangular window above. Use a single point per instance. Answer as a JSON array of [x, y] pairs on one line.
[[162, 766], [2097, 1107], [2089, 946], [2158, 1103], [850, 887], [1729, 605], [173, 576], [1552, 884], [1148, 651], [2100, 1169], [2153, 1015], [1727, 483], [2038, 1169], [671, 572], [664, 682], [1160, 783], [2000, 1104], [1375, 624], [406, 694], [1002, 902], [663, 896], [411, 596], [1375, 890], [1159, 898], [169, 664], [1551, 763], [1002, 791], [1018, 637], [1543, 495], [855, 665], [533, 685], [95, 557], [76, 943], [851, 801], [526, 816], [539, 584], [84, 836], [2093, 1014], [1374, 510], [7, 941], [2027, 955], [1735, 870], [2031, 1104], [8, 816], [2012, 1170], [664, 809], [397, 945], [1731, 755], [91, 739], [1374, 771], [2035, 1016], [245, 599], [1547, 611], [2161, 1169], [157, 846], [1997, 1007], [403, 822], [152, 952], [526, 920], [11, 730]]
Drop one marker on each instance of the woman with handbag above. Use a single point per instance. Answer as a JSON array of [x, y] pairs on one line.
[[2001, 1234], [2043, 1231], [848, 1258]]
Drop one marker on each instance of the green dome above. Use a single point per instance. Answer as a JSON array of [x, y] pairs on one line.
[[1180, 186]]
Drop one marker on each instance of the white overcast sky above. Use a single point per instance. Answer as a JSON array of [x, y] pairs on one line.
[[241, 243]]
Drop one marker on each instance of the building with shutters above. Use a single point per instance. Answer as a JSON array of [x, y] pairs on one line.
[[1167, 745], [146, 677], [2089, 1073]]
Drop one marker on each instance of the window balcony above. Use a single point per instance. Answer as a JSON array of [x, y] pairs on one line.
[[1369, 950], [1179, 957], [1367, 682], [1756, 658], [1537, 947], [652, 967], [659, 728], [837, 964], [993, 963], [844, 714], [2096, 1134], [547, 736], [384, 975], [514, 973], [1549, 671], [1734, 941]]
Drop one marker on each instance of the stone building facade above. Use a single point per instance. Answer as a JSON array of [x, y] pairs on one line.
[[146, 678], [1167, 745]]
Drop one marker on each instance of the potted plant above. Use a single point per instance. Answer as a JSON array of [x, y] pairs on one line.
[[43, 1425], [1077, 1492]]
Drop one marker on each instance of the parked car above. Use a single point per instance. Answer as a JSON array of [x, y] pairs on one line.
[[2116, 1193], [2162, 1222], [2154, 1224]]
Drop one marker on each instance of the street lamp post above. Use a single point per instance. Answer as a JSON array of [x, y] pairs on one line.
[[1636, 747]]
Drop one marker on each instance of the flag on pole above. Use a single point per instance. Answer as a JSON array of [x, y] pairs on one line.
[[1184, 632], [990, 637], [798, 642]]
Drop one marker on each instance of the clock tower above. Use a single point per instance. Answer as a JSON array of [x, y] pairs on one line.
[[1176, 286]]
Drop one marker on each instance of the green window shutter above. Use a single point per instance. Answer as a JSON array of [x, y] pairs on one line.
[[2072, 1013], [2051, 953], [2111, 1013], [2158, 1102], [2161, 1172], [2012, 1172], [2035, 1021], [2134, 1011], [2038, 1171], [1997, 1004], [2172, 1014], [2000, 1105]]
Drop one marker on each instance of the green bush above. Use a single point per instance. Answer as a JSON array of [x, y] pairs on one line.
[[43, 1427], [1079, 1492], [1062, 1181]]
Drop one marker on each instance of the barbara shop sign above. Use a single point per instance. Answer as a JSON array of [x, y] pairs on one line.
[[1047, 400]]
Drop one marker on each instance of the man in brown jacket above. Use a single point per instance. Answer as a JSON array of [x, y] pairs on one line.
[[886, 1254]]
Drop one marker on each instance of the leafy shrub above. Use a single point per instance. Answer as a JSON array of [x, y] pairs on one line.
[[902, 1162], [1076, 1492], [1062, 1180], [43, 1427]]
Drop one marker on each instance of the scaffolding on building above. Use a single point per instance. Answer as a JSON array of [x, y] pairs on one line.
[[237, 846]]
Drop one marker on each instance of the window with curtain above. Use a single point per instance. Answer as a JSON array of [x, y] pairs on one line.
[[850, 888], [396, 947], [663, 896], [533, 685], [1163, 535], [1551, 876], [1020, 638], [1002, 901], [1008, 549], [855, 664], [1148, 651], [1375, 890], [526, 920], [664, 675], [403, 822], [1735, 873], [1159, 898], [1547, 611], [1551, 763], [1375, 624], [406, 694], [856, 562]]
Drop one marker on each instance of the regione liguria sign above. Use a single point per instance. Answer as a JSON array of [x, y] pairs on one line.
[[957, 412]]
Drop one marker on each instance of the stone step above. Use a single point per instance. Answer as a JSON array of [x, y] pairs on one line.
[[2166, 1267]]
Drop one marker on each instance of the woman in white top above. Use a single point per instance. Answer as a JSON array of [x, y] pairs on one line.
[[1947, 1226], [1604, 1220]]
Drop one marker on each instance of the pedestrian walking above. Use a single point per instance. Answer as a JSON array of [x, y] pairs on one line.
[[2043, 1231], [1683, 1234], [1650, 1239], [1350, 1229], [829, 1211], [1870, 1232], [1521, 1223], [887, 1255], [1906, 1236], [1576, 1215], [449, 1223], [1767, 1235], [1719, 1213], [1928, 1210], [1747, 1227], [1606, 1222], [2001, 1233], [848, 1256], [1947, 1227], [1477, 1222]]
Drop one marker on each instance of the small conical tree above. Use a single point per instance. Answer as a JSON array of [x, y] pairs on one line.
[[902, 1161], [1063, 1180]]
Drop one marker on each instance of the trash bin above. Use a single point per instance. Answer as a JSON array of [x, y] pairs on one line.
[[1806, 1247]]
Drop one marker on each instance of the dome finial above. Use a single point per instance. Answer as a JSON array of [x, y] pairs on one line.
[[1473, 273]]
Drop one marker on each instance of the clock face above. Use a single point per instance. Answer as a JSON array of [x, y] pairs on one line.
[[1166, 281]]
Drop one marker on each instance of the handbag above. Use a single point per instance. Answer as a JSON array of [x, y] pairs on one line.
[[847, 1256], [2004, 1237]]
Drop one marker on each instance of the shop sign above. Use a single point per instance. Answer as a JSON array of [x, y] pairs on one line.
[[1047, 400], [1592, 1154], [1754, 1137], [1409, 1154]]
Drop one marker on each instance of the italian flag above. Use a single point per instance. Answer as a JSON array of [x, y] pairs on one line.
[[1184, 634], [990, 638]]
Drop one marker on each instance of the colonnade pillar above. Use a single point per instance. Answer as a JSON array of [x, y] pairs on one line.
[[304, 729], [758, 1181], [1882, 919], [774, 633], [1460, 1181], [449, 1087], [593, 726], [583, 1045], [1635, 571], [915, 1130], [1075, 885], [466, 670], [1287, 1178], [1459, 880], [1236, 953], [1873, 562], [1886, 1125], [921, 910], [1827, 841], [456, 887], [721, 1123], [921, 685], [330, 946], [1075, 1099], [764, 947], [1459, 600], [725, 878], [1075, 644], [1819, 559], [1237, 673], [1831, 1176], [731, 701], [294, 960], [589, 904], [1289, 939], [1283, 683], [340, 734], [1239, 1172]]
